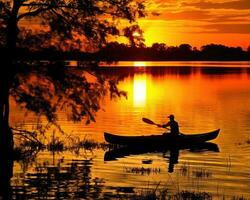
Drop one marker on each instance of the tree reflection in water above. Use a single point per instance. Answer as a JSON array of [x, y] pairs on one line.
[[62, 181], [6, 172]]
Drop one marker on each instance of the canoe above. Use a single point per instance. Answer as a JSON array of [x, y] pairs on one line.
[[163, 139]]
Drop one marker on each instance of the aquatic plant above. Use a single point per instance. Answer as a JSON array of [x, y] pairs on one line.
[[196, 172], [27, 137], [159, 194], [201, 173], [238, 198], [26, 151], [55, 145], [185, 169], [142, 170], [189, 195]]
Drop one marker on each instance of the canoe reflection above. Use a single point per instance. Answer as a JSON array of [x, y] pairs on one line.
[[173, 152]]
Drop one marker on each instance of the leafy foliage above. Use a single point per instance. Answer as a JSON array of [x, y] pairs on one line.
[[82, 22], [135, 36]]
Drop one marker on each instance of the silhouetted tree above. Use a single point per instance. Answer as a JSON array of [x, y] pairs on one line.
[[159, 47], [135, 36], [160, 51], [185, 47], [185, 51], [93, 20], [62, 24], [248, 49], [221, 52]]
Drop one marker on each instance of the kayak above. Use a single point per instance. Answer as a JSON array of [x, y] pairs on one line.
[[163, 139]]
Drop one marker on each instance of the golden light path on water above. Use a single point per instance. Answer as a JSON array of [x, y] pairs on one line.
[[139, 64], [139, 90], [139, 86]]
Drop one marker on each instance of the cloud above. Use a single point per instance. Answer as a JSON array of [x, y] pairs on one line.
[[154, 13], [231, 18], [237, 4], [202, 16], [219, 28], [227, 28], [187, 15], [207, 16]]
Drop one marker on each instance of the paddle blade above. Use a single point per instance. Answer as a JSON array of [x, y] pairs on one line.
[[148, 121]]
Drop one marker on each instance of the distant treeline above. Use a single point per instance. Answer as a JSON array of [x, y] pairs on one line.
[[160, 51], [118, 52]]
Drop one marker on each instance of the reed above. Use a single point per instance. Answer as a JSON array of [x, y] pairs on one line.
[[196, 172], [142, 170], [91, 144], [191, 195], [25, 153], [238, 198], [201, 173], [165, 194], [185, 169], [56, 144]]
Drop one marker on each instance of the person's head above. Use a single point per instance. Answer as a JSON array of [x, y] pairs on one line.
[[171, 117]]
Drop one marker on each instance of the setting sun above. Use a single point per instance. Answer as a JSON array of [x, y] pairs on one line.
[[136, 34]]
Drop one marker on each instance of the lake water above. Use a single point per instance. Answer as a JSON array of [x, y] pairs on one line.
[[203, 96]]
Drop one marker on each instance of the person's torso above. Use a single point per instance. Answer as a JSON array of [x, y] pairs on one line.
[[174, 127]]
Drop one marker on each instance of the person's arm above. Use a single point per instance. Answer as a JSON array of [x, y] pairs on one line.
[[166, 125]]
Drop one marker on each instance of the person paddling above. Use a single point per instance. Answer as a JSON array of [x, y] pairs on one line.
[[174, 127]]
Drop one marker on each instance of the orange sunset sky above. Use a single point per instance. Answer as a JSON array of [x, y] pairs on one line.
[[197, 22]]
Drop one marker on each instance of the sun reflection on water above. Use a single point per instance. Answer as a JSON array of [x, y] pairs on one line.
[[139, 64], [139, 90]]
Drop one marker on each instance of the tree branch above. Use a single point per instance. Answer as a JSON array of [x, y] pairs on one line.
[[46, 6]]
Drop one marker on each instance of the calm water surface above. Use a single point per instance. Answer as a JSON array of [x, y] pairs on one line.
[[202, 98]]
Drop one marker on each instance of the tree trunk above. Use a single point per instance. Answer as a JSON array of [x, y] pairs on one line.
[[6, 135], [12, 28], [7, 74]]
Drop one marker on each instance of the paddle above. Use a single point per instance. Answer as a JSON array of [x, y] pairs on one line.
[[148, 121]]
